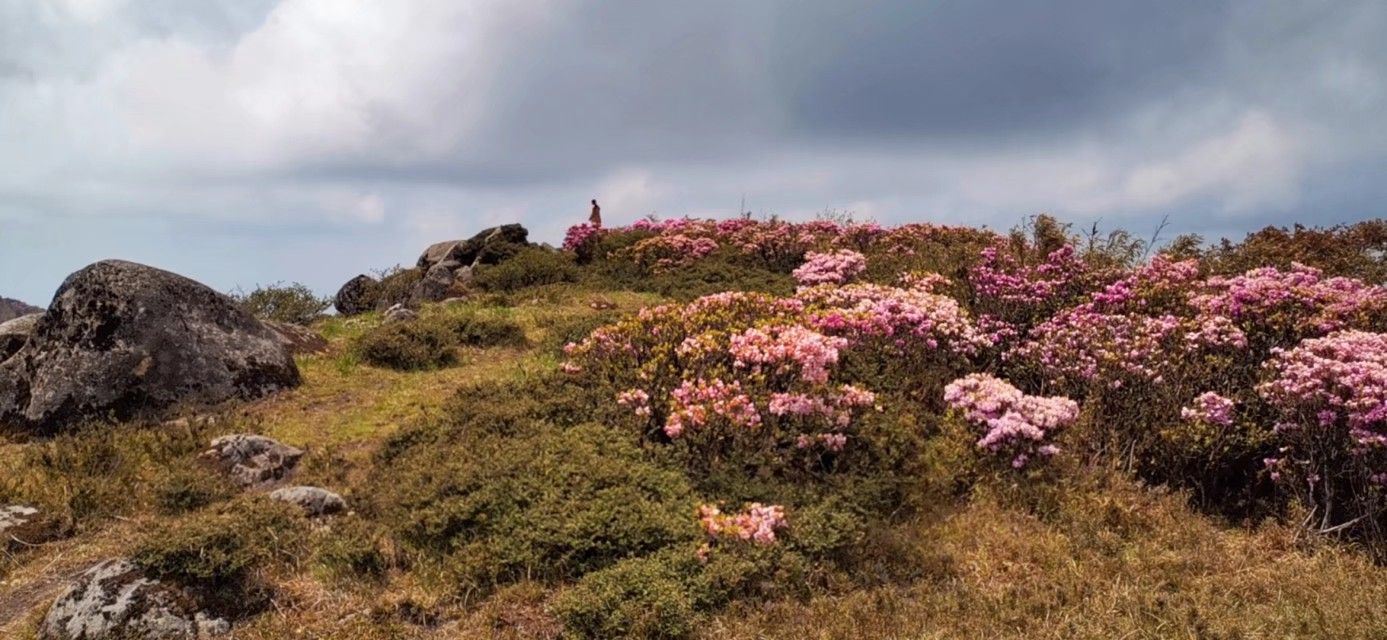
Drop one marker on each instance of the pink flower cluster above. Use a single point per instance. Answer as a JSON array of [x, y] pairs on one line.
[[1160, 286], [579, 235], [1001, 276], [1300, 299], [779, 346], [756, 523], [905, 317], [838, 409], [635, 399], [830, 268], [1338, 382], [1017, 425], [695, 402], [1082, 345], [665, 252], [1209, 408]]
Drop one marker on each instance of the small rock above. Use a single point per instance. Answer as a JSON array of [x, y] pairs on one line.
[[315, 501], [253, 460], [399, 313], [13, 517], [115, 599]]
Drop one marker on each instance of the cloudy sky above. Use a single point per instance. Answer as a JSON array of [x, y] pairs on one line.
[[252, 141]]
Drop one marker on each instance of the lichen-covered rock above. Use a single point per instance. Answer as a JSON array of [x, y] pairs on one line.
[[399, 313], [253, 460], [436, 285], [115, 599], [298, 340], [314, 501], [357, 296], [14, 333], [127, 341]]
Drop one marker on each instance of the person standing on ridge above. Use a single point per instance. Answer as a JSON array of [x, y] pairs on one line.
[[596, 218]]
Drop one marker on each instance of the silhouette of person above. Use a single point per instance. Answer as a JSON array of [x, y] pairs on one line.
[[596, 218]]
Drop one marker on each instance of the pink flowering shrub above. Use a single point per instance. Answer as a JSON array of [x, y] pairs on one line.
[[580, 238], [756, 523], [664, 252], [1209, 408], [1017, 427], [1278, 308], [830, 268], [1330, 396]]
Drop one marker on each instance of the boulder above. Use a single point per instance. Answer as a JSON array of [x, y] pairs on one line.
[[116, 599], [488, 247], [436, 284], [253, 460], [357, 296], [314, 501], [126, 341], [399, 313], [297, 339], [11, 309], [14, 333]]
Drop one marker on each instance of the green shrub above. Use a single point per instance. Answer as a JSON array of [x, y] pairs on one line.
[[353, 549], [100, 471], [530, 267], [222, 544], [545, 505], [636, 598], [432, 341], [396, 285], [191, 489], [293, 303]]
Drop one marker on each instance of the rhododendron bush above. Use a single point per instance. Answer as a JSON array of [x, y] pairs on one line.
[[1214, 383]]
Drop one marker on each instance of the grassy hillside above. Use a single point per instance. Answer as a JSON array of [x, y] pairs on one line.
[[761, 430]]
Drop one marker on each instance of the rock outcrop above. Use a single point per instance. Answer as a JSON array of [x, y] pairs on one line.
[[127, 341], [115, 599], [253, 460], [11, 309], [314, 501], [14, 333], [446, 264]]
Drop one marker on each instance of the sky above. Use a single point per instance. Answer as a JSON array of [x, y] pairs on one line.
[[247, 142]]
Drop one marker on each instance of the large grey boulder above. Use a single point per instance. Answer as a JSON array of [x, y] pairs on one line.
[[128, 341], [314, 501], [253, 460], [115, 599], [14, 333], [11, 309], [357, 296]]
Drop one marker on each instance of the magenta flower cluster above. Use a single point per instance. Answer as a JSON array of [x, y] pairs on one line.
[[1001, 276], [1299, 300], [1017, 426], [1331, 387]]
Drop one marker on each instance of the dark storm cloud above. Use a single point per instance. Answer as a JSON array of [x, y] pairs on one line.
[[331, 137], [960, 70]]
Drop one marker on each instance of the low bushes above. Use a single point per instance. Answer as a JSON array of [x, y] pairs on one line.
[[530, 267], [548, 505], [431, 342], [223, 544], [293, 303]]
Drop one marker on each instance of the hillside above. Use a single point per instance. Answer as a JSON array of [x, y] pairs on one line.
[[756, 429]]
